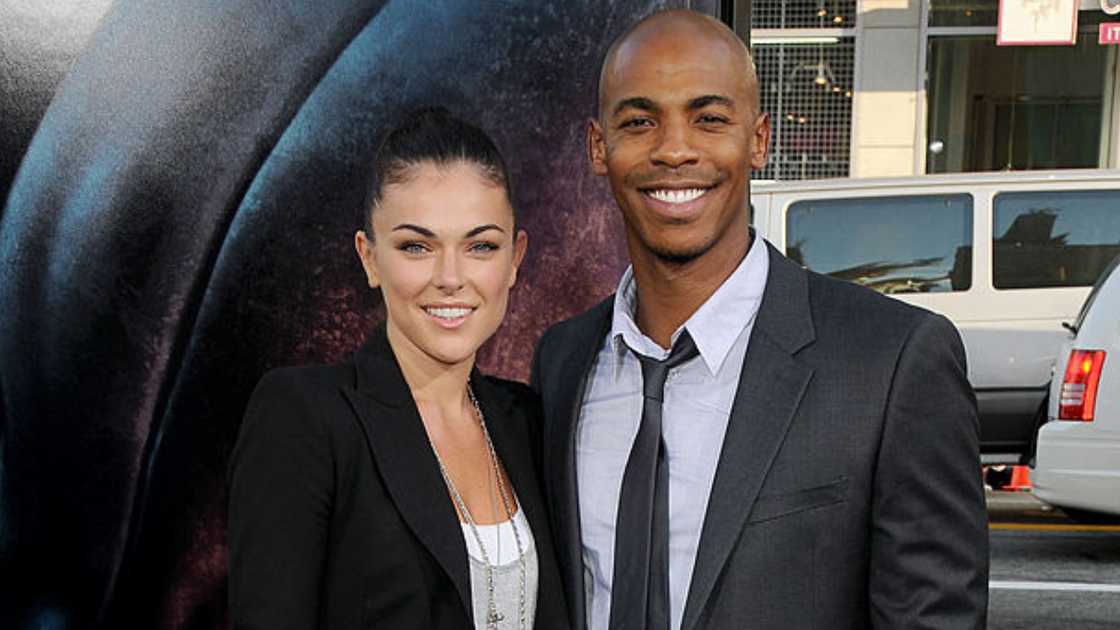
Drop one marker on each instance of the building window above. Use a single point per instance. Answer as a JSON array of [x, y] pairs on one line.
[[767, 14], [963, 12], [807, 89], [900, 244], [1013, 107], [805, 54], [1053, 239]]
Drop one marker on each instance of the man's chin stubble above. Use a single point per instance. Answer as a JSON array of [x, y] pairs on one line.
[[679, 257]]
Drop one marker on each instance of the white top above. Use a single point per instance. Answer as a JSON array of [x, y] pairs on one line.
[[499, 539], [696, 409], [501, 548]]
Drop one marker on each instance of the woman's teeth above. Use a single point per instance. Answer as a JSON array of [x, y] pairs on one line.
[[677, 196], [448, 313]]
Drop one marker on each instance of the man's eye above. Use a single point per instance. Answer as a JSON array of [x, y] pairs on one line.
[[712, 119], [634, 123]]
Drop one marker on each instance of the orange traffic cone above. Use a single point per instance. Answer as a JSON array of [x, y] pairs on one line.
[[1020, 479]]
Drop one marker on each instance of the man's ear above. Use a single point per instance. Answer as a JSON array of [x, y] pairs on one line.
[[364, 245], [760, 142], [596, 147]]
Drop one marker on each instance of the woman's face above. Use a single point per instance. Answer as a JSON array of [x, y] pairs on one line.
[[445, 255]]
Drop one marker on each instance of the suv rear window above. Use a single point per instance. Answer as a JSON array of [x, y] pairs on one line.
[[1109, 270], [903, 244], [1053, 238]]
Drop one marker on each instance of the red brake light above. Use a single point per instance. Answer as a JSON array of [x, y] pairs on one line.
[[1079, 387]]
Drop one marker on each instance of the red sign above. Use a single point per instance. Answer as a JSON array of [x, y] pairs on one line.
[[1110, 33]]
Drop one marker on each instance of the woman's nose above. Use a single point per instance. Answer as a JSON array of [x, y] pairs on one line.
[[448, 274]]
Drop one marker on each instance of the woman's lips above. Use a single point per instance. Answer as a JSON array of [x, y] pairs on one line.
[[449, 316]]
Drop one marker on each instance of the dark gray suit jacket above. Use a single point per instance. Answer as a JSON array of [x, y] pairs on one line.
[[848, 491]]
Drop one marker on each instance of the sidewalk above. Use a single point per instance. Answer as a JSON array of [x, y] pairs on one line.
[[1005, 506]]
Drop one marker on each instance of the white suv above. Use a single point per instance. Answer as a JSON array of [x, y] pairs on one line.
[[1007, 257], [1078, 460]]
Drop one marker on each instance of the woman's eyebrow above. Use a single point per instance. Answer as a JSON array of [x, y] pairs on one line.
[[483, 228], [415, 228]]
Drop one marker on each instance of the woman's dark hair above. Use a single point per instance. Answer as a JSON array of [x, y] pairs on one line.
[[433, 135]]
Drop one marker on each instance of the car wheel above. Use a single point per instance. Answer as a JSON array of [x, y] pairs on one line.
[[1040, 418], [997, 477]]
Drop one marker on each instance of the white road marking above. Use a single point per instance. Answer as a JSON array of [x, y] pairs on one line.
[[1053, 586]]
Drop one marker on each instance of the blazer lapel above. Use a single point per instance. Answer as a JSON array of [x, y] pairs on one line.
[[771, 386], [408, 466], [566, 396], [511, 443]]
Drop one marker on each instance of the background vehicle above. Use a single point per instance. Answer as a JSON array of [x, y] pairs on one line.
[[1078, 461], [1006, 256]]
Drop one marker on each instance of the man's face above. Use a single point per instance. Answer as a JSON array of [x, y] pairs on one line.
[[677, 136]]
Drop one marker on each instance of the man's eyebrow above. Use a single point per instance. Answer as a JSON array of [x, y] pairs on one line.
[[484, 228], [635, 102], [422, 231], [701, 102]]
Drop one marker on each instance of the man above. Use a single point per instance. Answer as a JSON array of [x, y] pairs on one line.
[[811, 459]]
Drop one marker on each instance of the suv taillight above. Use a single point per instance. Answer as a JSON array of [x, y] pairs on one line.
[[1079, 387]]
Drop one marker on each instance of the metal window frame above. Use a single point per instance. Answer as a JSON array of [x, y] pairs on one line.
[[925, 32]]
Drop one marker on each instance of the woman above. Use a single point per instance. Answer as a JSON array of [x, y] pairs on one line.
[[399, 491]]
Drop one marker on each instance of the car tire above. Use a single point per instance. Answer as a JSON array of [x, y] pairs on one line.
[[1040, 417]]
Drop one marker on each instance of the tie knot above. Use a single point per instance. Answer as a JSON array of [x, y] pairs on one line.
[[655, 372]]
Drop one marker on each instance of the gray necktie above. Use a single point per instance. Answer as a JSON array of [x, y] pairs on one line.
[[640, 591]]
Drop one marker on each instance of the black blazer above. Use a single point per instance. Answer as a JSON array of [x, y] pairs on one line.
[[339, 518], [847, 493]]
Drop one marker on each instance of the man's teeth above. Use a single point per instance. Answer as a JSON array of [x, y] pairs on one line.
[[448, 313], [677, 196]]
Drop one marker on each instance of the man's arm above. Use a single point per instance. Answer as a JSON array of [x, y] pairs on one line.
[[929, 545]]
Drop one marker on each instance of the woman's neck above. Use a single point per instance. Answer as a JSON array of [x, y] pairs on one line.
[[433, 384]]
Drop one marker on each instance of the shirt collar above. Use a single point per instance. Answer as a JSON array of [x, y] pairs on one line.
[[714, 326]]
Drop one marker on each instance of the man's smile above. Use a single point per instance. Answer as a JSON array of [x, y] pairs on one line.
[[670, 195]]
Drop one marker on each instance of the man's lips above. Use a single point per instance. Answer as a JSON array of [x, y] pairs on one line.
[[676, 195], [677, 200]]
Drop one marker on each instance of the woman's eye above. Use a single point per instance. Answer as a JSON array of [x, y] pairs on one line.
[[484, 247], [412, 247]]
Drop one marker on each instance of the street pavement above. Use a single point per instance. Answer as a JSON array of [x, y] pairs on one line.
[[1049, 572]]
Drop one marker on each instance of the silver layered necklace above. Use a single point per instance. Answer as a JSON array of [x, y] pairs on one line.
[[492, 614]]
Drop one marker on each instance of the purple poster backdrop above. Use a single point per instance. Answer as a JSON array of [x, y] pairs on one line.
[[189, 178]]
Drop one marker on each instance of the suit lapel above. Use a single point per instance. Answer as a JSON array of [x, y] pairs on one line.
[[511, 443], [404, 457], [568, 389], [771, 386]]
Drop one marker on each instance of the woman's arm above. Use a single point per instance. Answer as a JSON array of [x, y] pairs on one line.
[[281, 481]]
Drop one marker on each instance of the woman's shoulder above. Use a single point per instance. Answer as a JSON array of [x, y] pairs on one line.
[[522, 403], [519, 393], [305, 379], [303, 398]]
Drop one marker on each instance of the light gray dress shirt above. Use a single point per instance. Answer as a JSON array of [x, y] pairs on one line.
[[696, 409]]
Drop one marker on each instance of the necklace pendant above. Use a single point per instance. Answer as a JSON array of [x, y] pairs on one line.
[[492, 620]]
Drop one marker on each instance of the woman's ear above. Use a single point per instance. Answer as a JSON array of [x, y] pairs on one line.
[[520, 245], [364, 245]]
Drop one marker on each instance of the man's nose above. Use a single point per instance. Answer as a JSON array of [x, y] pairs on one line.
[[674, 147]]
